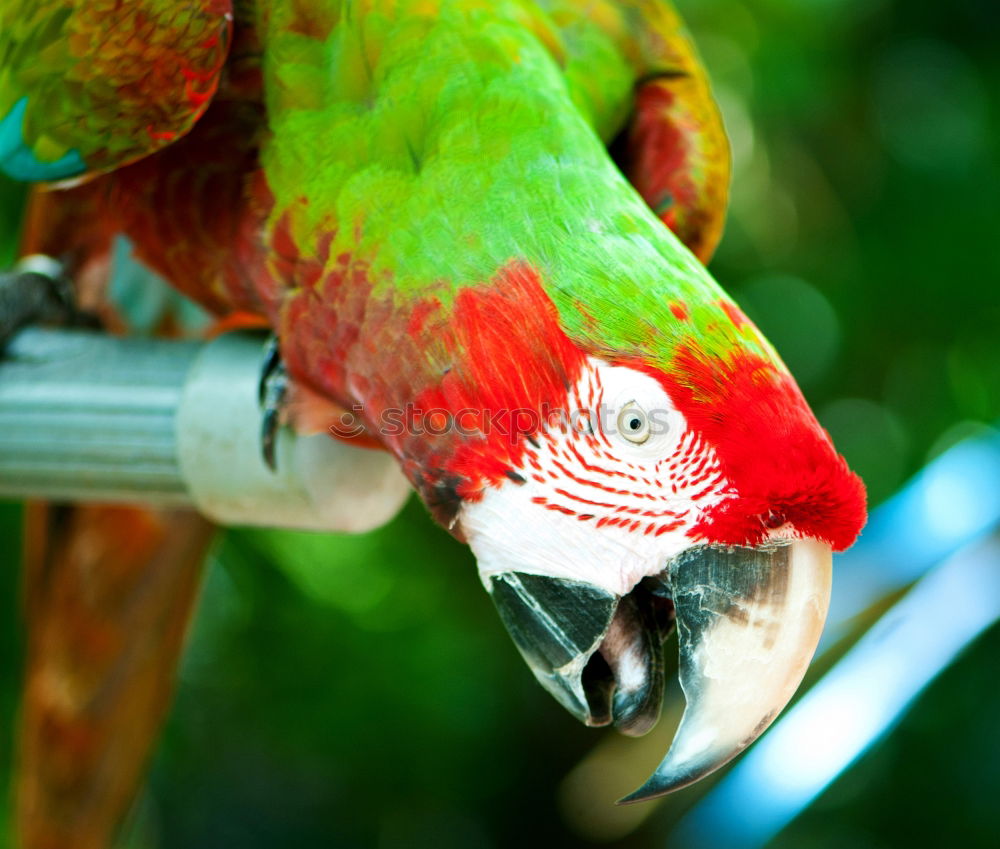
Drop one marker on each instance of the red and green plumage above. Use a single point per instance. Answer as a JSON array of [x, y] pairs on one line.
[[418, 196], [394, 163]]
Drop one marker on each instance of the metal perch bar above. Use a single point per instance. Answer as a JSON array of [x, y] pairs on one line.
[[90, 417]]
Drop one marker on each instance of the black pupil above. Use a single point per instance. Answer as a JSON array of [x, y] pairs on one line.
[[635, 424]]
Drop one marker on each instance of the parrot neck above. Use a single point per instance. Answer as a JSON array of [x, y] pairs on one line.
[[428, 168]]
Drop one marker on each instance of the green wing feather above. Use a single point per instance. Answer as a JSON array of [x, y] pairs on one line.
[[89, 85]]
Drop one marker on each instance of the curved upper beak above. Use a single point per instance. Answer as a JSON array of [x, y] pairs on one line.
[[748, 621]]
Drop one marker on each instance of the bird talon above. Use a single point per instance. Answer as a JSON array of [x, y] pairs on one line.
[[271, 392], [37, 291]]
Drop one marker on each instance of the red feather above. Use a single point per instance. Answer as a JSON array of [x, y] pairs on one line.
[[774, 453]]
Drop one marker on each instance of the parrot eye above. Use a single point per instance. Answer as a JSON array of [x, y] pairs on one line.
[[633, 423]]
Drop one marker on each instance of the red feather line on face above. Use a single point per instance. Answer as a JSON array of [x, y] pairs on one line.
[[590, 489], [773, 452]]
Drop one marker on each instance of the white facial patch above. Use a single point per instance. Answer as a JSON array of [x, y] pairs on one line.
[[612, 486]]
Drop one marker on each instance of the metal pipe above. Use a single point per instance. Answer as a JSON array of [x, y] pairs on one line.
[[85, 416], [90, 417]]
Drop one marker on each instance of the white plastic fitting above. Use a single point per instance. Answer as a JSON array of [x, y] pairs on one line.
[[321, 483]]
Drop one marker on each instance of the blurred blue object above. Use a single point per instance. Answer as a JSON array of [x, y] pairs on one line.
[[954, 500], [947, 513]]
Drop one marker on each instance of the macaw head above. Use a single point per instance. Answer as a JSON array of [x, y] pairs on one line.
[[613, 493]]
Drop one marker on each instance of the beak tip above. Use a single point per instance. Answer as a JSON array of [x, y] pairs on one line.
[[643, 794], [652, 789], [670, 778]]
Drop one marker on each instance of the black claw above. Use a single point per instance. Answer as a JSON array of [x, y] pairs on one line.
[[268, 433], [36, 291], [272, 363], [271, 392]]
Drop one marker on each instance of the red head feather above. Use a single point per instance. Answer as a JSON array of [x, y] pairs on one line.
[[780, 463]]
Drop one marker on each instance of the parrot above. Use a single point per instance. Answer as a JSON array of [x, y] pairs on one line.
[[478, 232]]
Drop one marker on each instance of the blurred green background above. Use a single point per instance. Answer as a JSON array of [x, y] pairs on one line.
[[360, 692]]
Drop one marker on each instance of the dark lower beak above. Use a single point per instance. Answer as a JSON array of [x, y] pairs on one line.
[[599, 654], [748, 620]]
